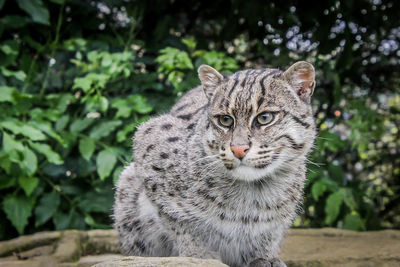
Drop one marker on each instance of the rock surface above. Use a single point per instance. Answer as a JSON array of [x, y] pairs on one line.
[[167, 262], [302, 247]]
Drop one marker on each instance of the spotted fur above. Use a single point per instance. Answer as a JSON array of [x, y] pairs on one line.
[[186, 194]]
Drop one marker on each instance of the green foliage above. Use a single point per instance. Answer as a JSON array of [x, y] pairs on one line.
[[77, 78]]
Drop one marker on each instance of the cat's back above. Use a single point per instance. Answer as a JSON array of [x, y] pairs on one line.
[[164, 138]]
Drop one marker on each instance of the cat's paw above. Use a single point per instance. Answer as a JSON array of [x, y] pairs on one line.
[[267, 263]]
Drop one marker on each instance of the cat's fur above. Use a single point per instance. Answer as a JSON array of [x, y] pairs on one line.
[[186, 194]]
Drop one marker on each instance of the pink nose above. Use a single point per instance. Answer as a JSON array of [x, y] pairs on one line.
[[240, 151]]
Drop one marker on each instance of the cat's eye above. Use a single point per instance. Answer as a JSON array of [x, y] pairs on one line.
[[265, 118], [225, 120]]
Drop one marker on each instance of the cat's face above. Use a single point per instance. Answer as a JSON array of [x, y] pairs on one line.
[[261, 120]]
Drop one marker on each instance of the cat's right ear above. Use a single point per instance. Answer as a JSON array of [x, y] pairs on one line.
[[301, 76], [210, 79]]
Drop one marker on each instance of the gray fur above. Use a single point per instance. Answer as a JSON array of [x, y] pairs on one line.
[[185, 193]]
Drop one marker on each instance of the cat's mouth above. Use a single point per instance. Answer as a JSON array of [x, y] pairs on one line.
[[250, 173]]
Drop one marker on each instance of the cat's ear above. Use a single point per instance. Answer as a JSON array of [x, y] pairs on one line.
[[301, 76], [210, 79]]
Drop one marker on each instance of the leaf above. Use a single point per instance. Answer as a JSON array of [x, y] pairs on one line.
[[61, 220], [7, 181], [354, 222], [14, 21], [87, 147], [10, 144], [105, 161], [128, 129], [29, 184], [139, 104], [36, 10], [332, 207], [70, 220], [62, 122], [83, 82], [2, 3], [46, 208], [336, 173], [47, 128], [6, 94], [48, 152], [318, 189], [80, 124], [104, 129], [348, 198], [18, 209], [32, 133], [29, 162], [94, 201], [117, 173], [24, 129]]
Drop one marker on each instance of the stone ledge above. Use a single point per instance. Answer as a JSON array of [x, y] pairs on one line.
[[302, 247], [165, 262]]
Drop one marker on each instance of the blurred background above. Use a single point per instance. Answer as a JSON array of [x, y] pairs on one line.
[[77, 77]]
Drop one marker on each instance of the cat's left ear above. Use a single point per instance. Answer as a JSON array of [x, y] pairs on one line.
[[210, 79], [301, 76]]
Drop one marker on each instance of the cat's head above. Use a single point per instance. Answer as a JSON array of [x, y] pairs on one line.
[[260, 120]]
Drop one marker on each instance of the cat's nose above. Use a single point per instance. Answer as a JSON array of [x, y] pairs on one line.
[[240, 151]]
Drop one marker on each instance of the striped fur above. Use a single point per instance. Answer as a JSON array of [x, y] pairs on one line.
[[187, 194]]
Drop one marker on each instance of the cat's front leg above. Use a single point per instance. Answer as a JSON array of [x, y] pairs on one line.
[[189, 246], [276, 262]]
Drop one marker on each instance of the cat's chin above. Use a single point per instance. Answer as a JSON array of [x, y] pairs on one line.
[[248, 173]]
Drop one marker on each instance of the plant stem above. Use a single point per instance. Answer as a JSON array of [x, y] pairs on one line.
[[53, 47]]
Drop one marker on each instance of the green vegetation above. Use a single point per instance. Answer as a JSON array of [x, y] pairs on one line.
[[77, 77]]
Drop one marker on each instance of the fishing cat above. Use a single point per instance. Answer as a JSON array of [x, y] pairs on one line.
[[220, 175]]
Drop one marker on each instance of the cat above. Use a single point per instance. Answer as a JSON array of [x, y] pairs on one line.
[[221, 175]]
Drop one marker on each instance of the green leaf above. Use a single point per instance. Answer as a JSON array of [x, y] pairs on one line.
[[14, 21], [18, 209], [24, 129], [318, 189], [332, 207], [336, 173], [117, 173], [46, 208], [62, 123], [94, 201], [80, 124], [29, 162], [7, 181], [190, 42], [61, 220], [10, 144], [128, 129], [105, 161], [36, 10], [104, 129], [48, 152], [19, 75], [139, 104], [353, 221], [83, 82], [87, 147], [29, 184], [124, 109], [6, 94], [47, 128], [348, 197]]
